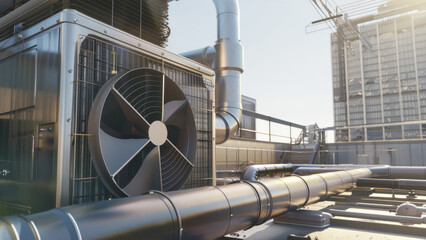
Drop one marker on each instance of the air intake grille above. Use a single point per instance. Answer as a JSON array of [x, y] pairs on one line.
[[99, 61], [146, 19]]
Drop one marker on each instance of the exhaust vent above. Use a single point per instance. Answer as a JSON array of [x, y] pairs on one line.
[[144, 134]]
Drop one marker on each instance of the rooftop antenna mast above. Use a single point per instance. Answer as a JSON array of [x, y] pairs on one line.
[[339, 21]]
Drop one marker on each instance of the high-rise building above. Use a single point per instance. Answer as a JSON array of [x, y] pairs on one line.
[[379, 74]]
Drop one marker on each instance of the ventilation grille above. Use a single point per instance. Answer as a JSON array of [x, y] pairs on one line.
[[100, 61], [146, 19]]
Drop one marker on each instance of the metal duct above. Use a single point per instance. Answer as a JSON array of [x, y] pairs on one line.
[[408, 184], [203, 213], [228, 66], [204, 56], [394, 218], [253, 172], [377, 171]]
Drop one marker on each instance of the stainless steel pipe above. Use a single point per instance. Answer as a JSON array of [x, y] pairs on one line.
[[254, 172], [204, 55], [407, 184], [383, 171], [203, 213], [228, 67]]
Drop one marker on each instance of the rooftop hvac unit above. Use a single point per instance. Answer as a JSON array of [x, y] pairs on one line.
[[146, 19], [70, 83]]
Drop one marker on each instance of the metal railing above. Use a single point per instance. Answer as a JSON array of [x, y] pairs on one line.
[[269, 129]]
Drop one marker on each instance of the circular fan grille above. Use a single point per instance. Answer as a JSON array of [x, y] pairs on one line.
[[144, 135]]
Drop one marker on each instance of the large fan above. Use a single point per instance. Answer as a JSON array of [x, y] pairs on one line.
[[143, 133]]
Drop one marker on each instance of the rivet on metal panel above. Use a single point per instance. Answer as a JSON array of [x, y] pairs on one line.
[[58, 20], [41, 28], [20, 36], [139, 44], [75, 20], [106, 31], [70, 70]]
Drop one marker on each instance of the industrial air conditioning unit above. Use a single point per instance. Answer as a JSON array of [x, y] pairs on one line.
[[90, 111]]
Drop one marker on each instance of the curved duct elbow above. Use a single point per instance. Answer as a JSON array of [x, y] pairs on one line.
[[204, 56], [228, 66], [226, 58]]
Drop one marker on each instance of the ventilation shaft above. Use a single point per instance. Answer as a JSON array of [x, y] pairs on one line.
[[226, 59], [201, 213]]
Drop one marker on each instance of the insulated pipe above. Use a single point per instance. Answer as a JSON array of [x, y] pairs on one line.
[[408, 184], [377, 171], [228, 67], [202, 213], [254, 172]]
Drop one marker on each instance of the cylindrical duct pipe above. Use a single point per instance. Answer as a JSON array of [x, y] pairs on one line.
[[407, 184], [303, 171], [394, 218], [385, 171], [254, 172], [204, 55], [228, 67], [407, 172], [203, 213]]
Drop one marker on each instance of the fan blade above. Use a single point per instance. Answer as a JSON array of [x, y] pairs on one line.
[[130, 113], [148, 176], [175, 167], [144, 93], [175, 113], [128, 148]]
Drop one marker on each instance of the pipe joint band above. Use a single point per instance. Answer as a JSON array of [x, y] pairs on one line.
[[178, 217], [256, 188], [307, 187]]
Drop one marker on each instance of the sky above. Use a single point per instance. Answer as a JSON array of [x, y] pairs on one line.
[[286, 70]]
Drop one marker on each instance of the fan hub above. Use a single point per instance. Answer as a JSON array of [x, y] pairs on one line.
[[157, 133]]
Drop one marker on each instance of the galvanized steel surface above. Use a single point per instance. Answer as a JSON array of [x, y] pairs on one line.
[[254, 172], [409, 184], [57, 66], [203, 213], [228, 66]]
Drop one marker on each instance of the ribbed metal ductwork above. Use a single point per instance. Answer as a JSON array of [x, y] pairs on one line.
[[254, 172], [203, 213], [228, 66]]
